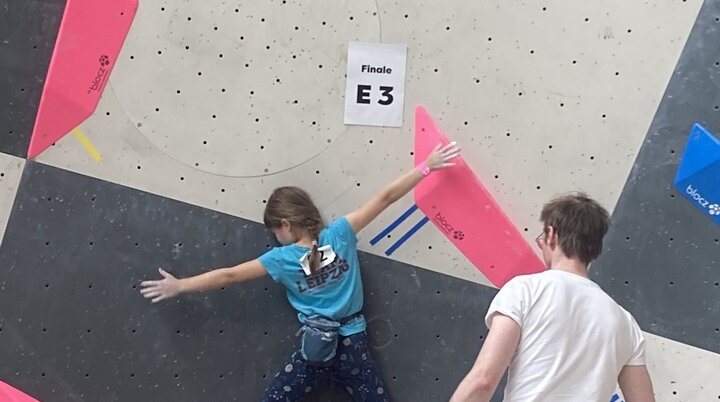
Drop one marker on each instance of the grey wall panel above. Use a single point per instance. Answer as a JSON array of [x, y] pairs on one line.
[[28, 29], [74, 327], [661, 260]]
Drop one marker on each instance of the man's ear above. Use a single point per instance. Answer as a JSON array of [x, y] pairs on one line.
[[551, 237]]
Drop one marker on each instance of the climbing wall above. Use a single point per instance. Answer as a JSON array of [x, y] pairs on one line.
[[211, 105]]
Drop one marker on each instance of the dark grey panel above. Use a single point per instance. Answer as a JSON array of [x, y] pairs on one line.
[[661, 260], [28, 29], [73, 325]]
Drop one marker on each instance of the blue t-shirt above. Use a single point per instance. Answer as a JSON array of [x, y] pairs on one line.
[[333, 291]]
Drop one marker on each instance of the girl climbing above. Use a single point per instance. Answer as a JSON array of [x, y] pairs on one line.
[[318, 265]]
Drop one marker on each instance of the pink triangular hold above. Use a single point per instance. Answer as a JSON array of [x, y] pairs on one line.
[[91, 35], [10, 394], [465, 212]]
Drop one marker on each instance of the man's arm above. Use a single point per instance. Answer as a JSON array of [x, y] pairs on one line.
[[492, 361], [635, 384]]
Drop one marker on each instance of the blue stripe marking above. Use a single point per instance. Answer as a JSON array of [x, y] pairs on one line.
[[393, 225], [406, 236]]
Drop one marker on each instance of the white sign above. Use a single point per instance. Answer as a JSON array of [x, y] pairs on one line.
[[327, 256], [375, 90]]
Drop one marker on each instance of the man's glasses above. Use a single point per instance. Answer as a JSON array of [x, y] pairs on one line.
[[539, 240]]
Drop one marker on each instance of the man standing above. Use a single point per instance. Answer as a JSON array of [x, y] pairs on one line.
[[561, 338]]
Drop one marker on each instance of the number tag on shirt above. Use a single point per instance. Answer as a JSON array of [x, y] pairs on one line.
[[327, 256]]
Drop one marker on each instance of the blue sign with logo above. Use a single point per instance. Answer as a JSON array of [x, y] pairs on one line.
[[698, 176], [616, 398]]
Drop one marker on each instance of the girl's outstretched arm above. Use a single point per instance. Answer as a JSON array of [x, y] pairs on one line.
[[170, 286], [439, 158]]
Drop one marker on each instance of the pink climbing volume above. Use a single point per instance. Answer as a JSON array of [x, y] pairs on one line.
[[10, 394], [91, 35], [465, 212]]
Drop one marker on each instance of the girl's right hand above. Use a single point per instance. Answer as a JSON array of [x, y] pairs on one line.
[[440, 157], [165, 288]]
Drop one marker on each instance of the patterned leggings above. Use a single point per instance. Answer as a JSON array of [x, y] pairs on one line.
[[353, 368]]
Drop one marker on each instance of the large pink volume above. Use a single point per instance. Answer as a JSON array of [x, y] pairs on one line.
[[10, 394], [91, 35], [465, 212]]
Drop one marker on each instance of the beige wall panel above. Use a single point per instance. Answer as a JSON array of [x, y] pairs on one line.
[[681, 373], [11, 168], [499, 77]]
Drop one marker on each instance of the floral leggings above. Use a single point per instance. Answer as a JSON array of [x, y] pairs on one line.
[[353, 368]]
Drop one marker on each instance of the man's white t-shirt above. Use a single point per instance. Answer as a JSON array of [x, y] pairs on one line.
[[575, 338]]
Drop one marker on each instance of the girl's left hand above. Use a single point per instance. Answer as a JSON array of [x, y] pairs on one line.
[[440, 157]]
